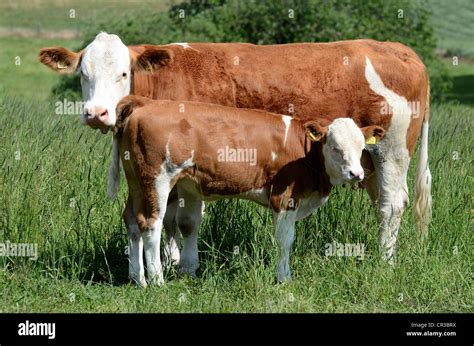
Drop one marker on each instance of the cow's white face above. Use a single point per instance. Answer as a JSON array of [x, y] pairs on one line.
[[342, 145], [105, 66], [105, 71]]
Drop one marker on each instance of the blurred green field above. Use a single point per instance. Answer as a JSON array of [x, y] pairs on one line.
[[452, 22], [28, 80], [43, 16]]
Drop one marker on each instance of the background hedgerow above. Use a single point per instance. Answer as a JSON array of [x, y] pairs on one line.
[[275, 22]]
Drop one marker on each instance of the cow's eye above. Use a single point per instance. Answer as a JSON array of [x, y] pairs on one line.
[[336, 150], [122, 77]]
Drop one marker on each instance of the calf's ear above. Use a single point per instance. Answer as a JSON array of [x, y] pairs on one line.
[[152, 58], [60, 59], [316, 130], [372, 133]]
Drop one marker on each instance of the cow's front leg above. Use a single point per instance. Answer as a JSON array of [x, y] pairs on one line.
[[188, 218], [171, 254], [284, 225], [391, 195]]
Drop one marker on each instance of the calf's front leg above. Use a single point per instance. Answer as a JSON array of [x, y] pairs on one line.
[[284, 226]]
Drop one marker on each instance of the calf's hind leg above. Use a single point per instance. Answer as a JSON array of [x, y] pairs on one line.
[[150, 220], [136, 269]]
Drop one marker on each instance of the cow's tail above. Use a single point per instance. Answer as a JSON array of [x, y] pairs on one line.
[[423, 201], [123, 110]]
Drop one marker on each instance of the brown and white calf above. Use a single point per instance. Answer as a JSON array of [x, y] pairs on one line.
[[374, 83], [277, 161]]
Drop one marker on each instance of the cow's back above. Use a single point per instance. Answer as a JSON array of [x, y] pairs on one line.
[[305, 80]]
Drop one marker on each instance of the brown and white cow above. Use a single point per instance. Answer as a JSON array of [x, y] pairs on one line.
[[277, 161], [374, 83]]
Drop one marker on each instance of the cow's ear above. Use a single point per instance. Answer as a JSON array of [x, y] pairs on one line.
[[151, 59], [372, 133], [316, 130], [60, 59]]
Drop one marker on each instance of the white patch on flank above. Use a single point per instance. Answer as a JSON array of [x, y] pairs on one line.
[[287, 120], [274, 156], [391, 177], [168, 171]]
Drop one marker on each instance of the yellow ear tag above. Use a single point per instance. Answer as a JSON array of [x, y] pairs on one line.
[[61, 66], [312, 137], [371, 140]]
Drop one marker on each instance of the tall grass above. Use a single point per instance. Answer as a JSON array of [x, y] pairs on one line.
[[53, 193]]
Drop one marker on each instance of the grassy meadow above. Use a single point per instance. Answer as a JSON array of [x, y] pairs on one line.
[[53, 185], [53, 175]]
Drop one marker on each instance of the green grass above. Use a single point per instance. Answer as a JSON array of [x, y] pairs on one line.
[[53, 15], [29, 79], [81, 244], [452, 22]]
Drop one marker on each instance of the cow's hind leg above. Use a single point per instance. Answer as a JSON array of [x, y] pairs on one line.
[[391, 195], [188, 218]]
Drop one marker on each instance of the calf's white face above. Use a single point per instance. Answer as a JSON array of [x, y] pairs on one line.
[[105, 71], [342, 145]]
